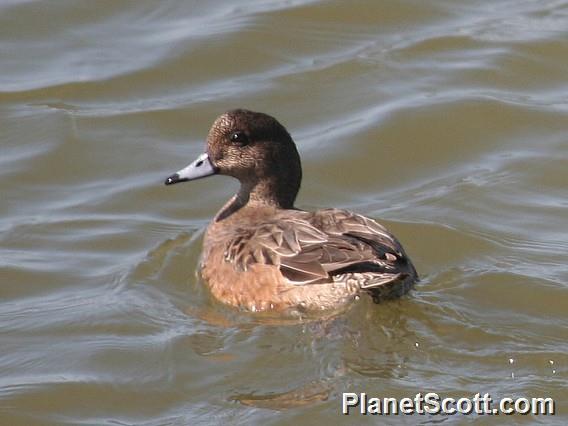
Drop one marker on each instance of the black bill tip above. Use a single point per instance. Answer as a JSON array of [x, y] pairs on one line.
[[173, 179]]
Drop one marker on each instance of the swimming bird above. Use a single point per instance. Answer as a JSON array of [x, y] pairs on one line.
[[261, 253]]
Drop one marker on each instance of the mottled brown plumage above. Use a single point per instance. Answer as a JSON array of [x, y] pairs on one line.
[[261, 253]]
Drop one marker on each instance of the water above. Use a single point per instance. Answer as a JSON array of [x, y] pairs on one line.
[[445, 120]]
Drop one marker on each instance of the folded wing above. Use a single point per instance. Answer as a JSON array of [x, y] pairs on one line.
[[311, 248]]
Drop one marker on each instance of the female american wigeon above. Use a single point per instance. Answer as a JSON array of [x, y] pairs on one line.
[[261, 253]]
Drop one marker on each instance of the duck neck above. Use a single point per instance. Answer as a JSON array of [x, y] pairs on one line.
[[277, 194]]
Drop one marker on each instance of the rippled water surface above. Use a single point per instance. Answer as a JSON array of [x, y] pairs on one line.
[[445, 120]]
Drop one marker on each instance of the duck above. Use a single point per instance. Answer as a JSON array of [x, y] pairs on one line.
[[261, 253]]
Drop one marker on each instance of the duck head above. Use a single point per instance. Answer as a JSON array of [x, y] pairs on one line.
[[257, 150]]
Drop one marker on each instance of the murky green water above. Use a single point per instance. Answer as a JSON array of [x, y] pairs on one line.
[[445, 120]]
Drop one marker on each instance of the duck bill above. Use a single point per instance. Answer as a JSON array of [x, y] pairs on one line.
[[200, 168]]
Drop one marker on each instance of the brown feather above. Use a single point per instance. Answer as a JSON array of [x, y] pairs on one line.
[[309, 247]]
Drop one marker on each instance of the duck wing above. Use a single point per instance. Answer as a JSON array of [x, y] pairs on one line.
[[309, 248]]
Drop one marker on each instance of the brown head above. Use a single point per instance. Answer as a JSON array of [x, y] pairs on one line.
[[257, 150]]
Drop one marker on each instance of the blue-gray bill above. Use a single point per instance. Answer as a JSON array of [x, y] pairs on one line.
[[198, 169]]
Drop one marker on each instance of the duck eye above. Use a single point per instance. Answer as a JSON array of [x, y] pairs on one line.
[[239, 138]]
